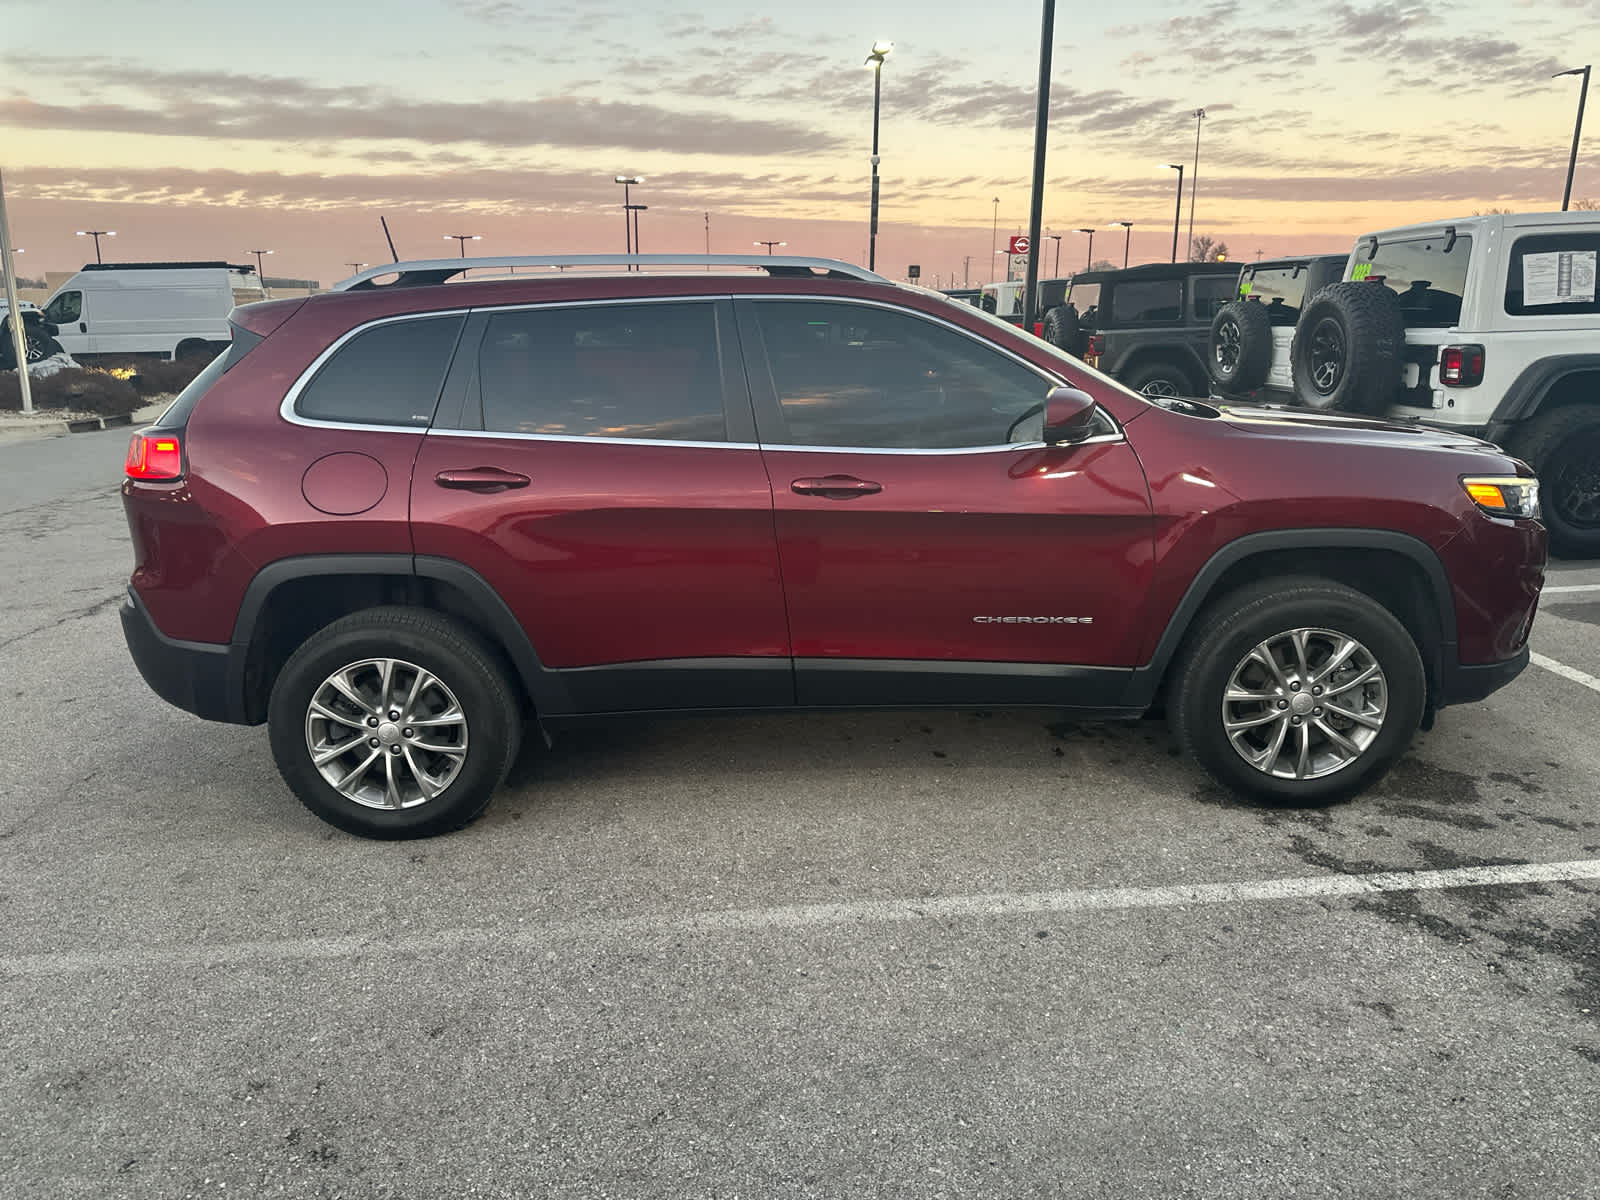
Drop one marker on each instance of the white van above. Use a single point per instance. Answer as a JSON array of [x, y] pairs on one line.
[[167, 309]]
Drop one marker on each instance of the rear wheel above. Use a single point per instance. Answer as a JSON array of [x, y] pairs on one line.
[[1564, 448], [41, 347], [1160, 379], [1061, 328], [394, 723], [1240, 347], [1298, 691], [1348, 349]]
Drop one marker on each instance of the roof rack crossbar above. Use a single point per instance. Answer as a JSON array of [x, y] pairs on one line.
[[438, 270]]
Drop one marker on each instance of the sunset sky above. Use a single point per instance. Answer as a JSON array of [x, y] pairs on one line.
[[199, 130]]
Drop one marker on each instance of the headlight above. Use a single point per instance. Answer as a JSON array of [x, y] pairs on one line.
[[1504, 495]]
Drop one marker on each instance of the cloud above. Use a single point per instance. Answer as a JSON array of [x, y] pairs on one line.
[[216, 104]]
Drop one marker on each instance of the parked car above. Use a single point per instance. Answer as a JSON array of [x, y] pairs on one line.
[[1252, 336], [396, 522], [168, 309], [1488, 326], [1003, 300], [1145, 326]]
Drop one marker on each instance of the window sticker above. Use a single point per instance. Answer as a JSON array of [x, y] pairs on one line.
[[1558, 277], [1361, 272]]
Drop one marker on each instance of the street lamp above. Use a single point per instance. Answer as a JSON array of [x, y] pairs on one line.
[[1088, 259], [767, 244], [1177, 211], [461, 239], [355, 266], [994, 238], [260, 272], [880, 51], [1056, 238], [1194, 180], [1127, 238], [1577, 130], [97, 234], [627, 182]]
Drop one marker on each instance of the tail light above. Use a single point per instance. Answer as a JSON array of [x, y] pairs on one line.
[[155, 455], [1461, 366], [1038, 329]]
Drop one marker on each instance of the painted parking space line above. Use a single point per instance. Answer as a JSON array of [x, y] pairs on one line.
[[1566, 672], [1568, 588], [842, 915]]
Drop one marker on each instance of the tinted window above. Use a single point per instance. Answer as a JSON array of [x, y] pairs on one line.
[[609, 371], [1429, 279], [1211, 292], [1553, 274], [387, 375], [1281, 289], [65, 309], [1150, 301], [853, 375]]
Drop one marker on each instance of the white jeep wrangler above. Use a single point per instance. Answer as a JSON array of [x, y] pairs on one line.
[[1488, 325]]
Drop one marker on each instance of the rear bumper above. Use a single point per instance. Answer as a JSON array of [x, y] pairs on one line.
[[1462, 684], [193, 676]]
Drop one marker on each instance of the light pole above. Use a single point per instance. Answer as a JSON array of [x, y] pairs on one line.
[[462, 239], [627, 182], [97, 234], [1577, 130], [1194, 180], [879, 52], [1056, 238], [355, 266], [261, 273], [635, 209], [1177, 211], [994, 239], [1088, 259], [767, 244], [1127, 238]]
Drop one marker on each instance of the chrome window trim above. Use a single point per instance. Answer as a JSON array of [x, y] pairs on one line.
[[287, 411]]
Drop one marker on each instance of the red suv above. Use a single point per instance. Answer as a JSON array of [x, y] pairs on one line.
[[399, 521]]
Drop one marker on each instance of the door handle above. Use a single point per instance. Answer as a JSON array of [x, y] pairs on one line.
[[83, 327], [481, 479], [835, 487]]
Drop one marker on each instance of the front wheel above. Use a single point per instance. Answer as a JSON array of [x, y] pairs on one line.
[[393, 723], [41, 347], [1298, 691]]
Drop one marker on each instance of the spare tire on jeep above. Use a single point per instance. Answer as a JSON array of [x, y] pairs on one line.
[[1061, 329], [1348, 348], [1239, 354]]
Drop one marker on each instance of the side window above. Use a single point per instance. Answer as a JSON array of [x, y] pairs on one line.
[[1153, 301], [1281, 289], [605, 371], [65, 309], [1553, 274], [387, 375], [855, 375], [1211, 292], [1429, 278]]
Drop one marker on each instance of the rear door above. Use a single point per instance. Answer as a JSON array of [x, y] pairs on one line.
[[934, 550], [602, 475]]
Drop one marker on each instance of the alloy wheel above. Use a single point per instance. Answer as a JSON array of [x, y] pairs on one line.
[[1305, 703], [1160, 387], [1227, 352], [1573, 482], [386, 733], [1327, 355]]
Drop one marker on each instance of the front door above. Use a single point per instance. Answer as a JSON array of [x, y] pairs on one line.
[[602, 476], [66, 311], [934, 550]]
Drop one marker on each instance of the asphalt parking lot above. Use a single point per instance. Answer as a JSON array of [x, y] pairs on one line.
[[958, 954]]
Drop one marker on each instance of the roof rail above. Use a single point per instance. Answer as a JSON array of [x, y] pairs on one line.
[[438, 270]]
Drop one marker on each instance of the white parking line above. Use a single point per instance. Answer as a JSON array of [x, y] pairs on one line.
[[1566, 672], [847, 914], [1568, 588]]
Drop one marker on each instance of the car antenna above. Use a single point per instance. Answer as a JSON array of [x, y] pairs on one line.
[[382, 221]]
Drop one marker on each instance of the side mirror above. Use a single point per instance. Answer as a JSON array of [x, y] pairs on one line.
[[1068, 415]]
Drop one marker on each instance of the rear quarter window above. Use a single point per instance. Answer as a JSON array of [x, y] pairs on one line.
[[1553, 275], [1211, 292], [389, 374], [1147, 302]]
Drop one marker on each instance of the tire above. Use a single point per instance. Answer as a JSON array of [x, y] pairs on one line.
[[1239, 351], [1271, 614], [1349, 348], [1564, 448], [1160, 379], [41, 347], [1061, 328], [468, 682]]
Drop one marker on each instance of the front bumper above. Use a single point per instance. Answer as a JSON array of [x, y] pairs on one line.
[[194, 676], [1467, 684]]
